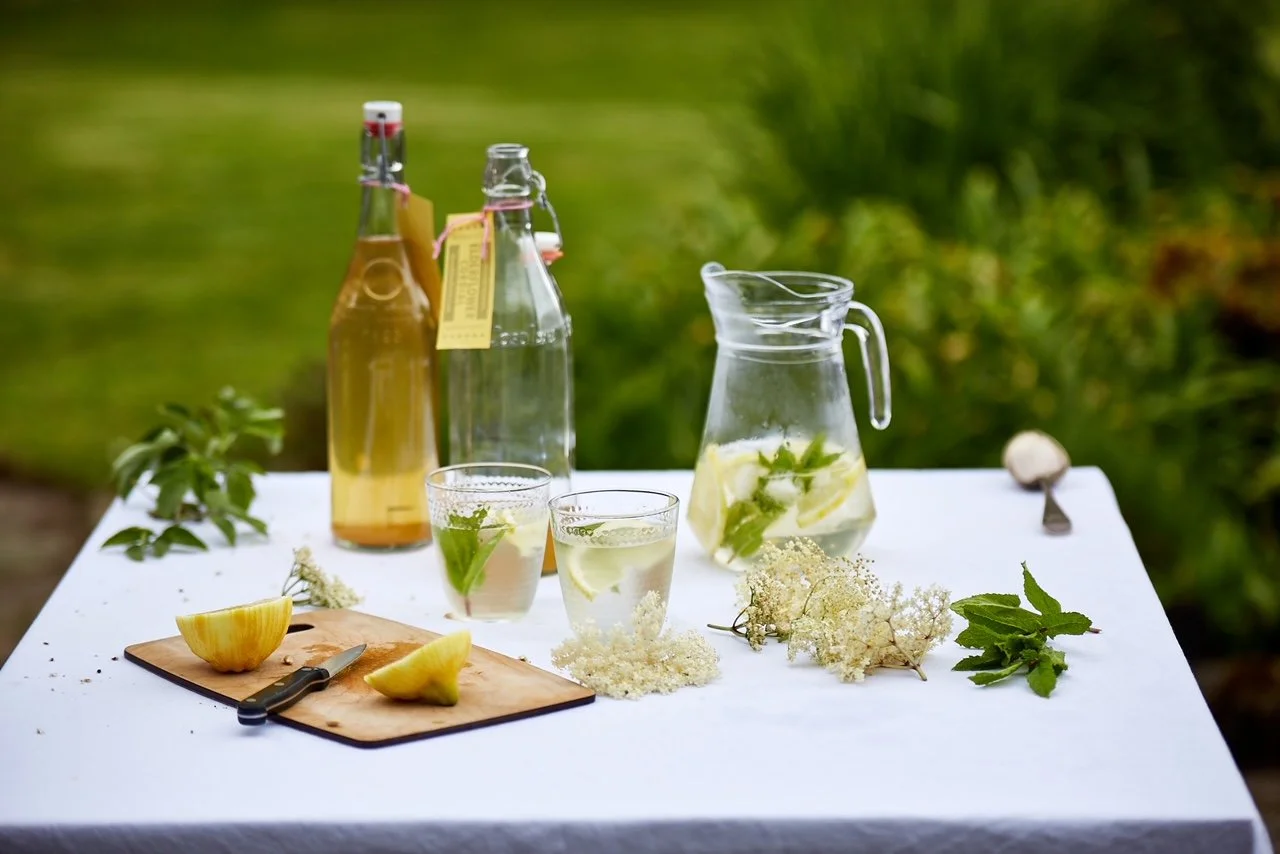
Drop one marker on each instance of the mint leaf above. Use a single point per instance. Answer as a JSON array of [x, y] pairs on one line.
[[988, 677], [1067, 623], [464, 554], [128, 537], [745, 525], [240, 488], [226, 526], [1055, 657], [1043, 677], [136, 552], [179, 536], [962, 605], [989, 660], [977, 637], [582, 530], [1015, 619], [1036, 597]]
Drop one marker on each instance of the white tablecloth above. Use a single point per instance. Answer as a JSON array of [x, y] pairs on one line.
[[99, 755]]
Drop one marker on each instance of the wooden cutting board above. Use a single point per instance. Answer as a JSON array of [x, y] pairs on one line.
[[494, 688]]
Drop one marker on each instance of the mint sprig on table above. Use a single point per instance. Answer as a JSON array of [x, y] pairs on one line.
[[1012, 637], [464, 554], [189, 457], [747, 520]]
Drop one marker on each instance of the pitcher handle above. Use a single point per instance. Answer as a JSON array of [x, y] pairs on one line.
[[875, 358]]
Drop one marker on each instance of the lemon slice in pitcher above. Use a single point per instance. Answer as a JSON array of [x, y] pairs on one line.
[[720, 479], [236, 639], [830, 488]]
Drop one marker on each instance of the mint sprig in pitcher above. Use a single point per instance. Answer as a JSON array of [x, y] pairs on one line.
[[780, 455]]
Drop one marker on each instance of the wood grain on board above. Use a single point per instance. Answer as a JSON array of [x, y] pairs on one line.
[[494, 688]]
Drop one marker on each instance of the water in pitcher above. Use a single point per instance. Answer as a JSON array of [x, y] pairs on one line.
[[758, 491]]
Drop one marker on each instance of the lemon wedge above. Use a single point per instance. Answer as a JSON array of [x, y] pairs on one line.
[[236, 639], [429, 673]]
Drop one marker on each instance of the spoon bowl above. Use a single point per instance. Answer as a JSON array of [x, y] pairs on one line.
[[1037, 461]]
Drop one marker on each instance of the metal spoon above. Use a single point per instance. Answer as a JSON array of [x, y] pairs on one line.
[[1038, 461]]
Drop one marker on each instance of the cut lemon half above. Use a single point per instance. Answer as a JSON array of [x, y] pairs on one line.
[[830, 488], [429, 673], [239, 638]]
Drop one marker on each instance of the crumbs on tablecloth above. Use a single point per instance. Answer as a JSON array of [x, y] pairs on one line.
[[288, 659], [99, 669], [333, 724], [523, 658], [115, 658], [39, 731], [85, 679]]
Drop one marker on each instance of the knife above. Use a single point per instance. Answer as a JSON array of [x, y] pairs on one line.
[[286, 691]]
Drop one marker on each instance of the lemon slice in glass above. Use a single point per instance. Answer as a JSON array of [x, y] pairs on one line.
[[528, 537], [238, 638], [428, 674], [602, 561]]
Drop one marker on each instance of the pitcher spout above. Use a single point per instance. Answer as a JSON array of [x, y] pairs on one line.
[[711, 269]]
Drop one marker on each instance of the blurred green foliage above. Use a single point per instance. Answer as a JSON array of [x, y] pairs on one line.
[[899, 100]]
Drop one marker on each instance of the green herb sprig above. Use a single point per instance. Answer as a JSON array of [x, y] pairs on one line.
[[464, 553], [1012, 637], [747, 520], [189, 458]]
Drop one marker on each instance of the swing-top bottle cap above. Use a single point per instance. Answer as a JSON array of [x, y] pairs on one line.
[[391, 111]]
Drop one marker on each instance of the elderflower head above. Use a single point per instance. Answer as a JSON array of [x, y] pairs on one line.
[[835, 611], [311, 586], [645, 660]]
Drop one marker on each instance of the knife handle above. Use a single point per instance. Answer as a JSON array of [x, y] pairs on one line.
[[279, 695]]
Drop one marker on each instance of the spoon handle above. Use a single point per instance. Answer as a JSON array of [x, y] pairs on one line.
[[1055, 521]]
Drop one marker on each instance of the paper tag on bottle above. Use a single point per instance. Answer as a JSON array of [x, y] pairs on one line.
[[418, 228], [466, 292]]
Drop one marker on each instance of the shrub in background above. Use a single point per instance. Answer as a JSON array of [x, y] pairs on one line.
[[900, 99]]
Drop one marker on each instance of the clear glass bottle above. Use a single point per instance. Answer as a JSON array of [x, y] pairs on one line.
[[380, 371], [513, 402]]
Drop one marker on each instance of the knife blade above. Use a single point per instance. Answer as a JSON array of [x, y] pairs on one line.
[[287, 690]]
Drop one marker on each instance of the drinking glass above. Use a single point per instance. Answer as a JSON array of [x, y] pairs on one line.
[[489, 522], [612, 547]]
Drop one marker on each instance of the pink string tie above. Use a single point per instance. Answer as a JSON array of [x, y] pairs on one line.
[[482, 216], [402, 189]]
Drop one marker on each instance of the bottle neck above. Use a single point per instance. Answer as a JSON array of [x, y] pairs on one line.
[[508, 182], [510, 214], [378, 216], [382, 172]]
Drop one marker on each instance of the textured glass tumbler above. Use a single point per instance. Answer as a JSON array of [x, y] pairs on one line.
[[613, 546], [489, 524]]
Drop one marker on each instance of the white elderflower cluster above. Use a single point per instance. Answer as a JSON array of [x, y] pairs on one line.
[[646, 660], [835, 611], [308, 584]]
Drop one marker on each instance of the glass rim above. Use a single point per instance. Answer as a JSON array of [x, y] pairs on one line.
[[544, 477], [672, 502]]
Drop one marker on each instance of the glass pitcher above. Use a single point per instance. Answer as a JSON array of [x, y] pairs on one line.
[[780, 455]]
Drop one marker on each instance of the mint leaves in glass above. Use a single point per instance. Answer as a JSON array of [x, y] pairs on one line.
[[489, 522]]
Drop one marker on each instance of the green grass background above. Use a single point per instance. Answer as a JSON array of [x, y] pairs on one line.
[[179, 192]]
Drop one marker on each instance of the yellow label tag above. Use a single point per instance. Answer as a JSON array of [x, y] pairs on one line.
[[466, 293], [418, 228]]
